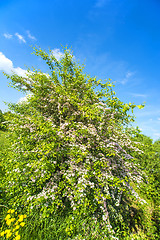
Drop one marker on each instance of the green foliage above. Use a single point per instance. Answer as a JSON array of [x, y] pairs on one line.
[[4, 146], [70, 156], [2, 127], [149, 161], [3, 120]]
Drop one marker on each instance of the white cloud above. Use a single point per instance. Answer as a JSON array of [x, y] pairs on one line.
[[158, 119], [19, 71], [22, 99], [20, 37], [31, 36], [7, 35], [57, 53], [6, 65], [25, 98]]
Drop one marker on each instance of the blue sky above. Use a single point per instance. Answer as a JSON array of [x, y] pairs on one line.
[[117, 39]]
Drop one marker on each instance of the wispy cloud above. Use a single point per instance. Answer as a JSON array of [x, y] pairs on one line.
[[149, 127], [101, 3], [147, 112], [148, 119], [20, 37], [31, 36], [127, 77], [106, 66], [157, 134], [7, 35], [6, 65], [57, 53], [139, 95]]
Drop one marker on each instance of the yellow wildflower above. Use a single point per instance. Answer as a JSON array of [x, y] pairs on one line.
[[8, 222], [10, 211], [24, 216], [16, 233], [22, 224], [17, 237], [7, 217], [16, 223], [9, 235], [17, 227], [2, 234], [20, 218]]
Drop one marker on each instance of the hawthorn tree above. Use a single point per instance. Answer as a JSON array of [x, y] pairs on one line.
[[70, 150]]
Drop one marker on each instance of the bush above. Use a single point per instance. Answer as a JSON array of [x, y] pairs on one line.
[[70, 155]]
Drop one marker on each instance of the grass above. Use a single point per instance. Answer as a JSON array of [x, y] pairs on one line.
[[73, 227]]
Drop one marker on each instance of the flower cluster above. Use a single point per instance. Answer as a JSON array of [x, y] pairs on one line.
[[13, 224]]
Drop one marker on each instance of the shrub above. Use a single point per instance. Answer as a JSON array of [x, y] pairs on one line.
[[70, 152]]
